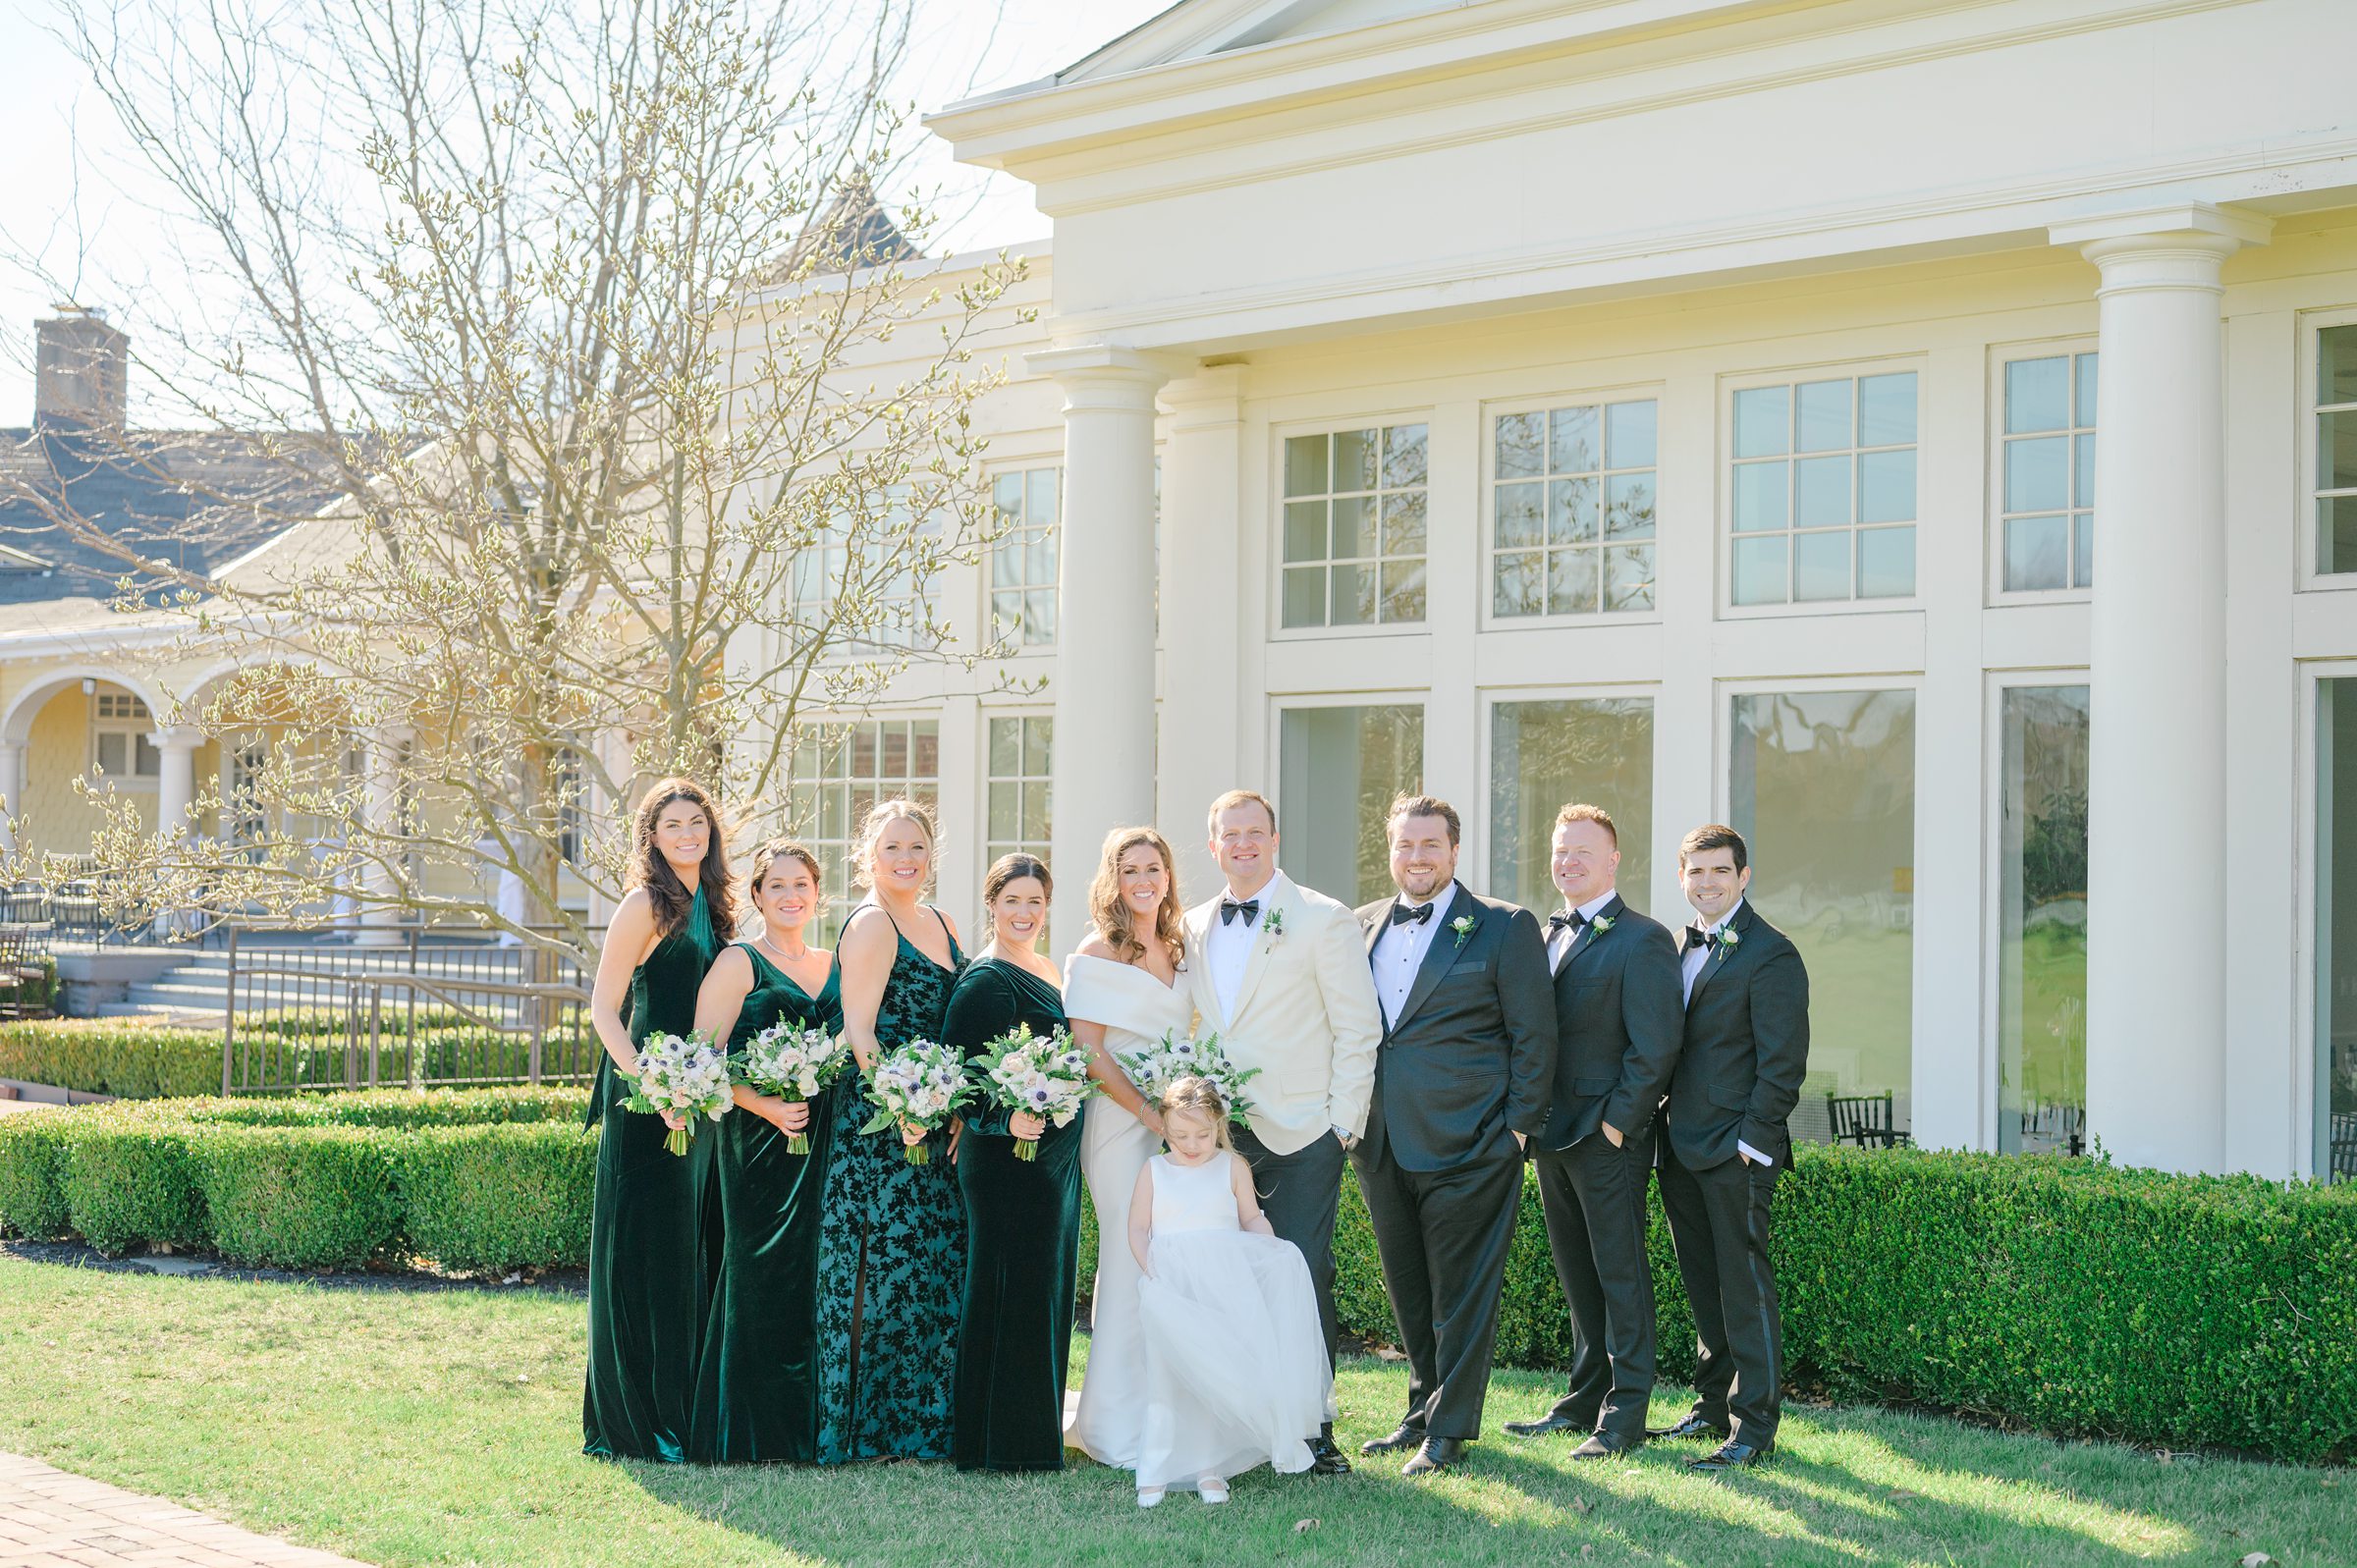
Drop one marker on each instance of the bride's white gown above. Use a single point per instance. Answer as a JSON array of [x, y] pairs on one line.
[[1136, 1010], [1235, 1367]]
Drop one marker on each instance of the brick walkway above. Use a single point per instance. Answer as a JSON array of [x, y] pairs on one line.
[[51, 1519]]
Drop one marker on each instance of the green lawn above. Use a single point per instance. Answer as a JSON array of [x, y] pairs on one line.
[[443, 1427]]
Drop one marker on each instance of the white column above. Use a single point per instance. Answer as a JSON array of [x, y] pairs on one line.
[[1104, 682], [12, 792], [175, 793], [2157, 777], [1201, 501], [176, 783], [380, 771]]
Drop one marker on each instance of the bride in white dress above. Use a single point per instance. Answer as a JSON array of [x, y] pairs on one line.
[[1122, 993]]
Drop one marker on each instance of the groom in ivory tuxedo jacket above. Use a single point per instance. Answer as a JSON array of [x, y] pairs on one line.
[[1281, 972]]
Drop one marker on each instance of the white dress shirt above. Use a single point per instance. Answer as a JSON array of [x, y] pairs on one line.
[[1690, 964], [1227, 948], [1400, 948], [1561, 938]]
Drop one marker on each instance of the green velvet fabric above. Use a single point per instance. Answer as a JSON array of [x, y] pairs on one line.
[[756, 1392], [648, 1225], [1023, 1227], [891, 1254]]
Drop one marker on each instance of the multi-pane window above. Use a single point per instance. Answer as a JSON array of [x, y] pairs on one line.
[[245, 819], [1017, 787], [863, 568], [2336, 449], [1354, 528], [1571, 510], [1337, 770], [1822, 784], [839, 772], [1823, 491], [2049, 483], [1546, 755], [122, 738], [1022, 562]]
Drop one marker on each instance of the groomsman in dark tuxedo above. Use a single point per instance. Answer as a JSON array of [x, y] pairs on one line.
[[1618, 1024], [1460, 1079], [1724, 1144]]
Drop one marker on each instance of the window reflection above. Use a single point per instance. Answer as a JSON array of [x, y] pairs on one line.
[[2041, 936], [1338, 770]]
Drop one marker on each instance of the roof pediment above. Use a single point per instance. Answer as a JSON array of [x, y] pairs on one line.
[[1195, 28]]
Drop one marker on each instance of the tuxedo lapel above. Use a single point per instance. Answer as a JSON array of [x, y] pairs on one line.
[[1271, 900], [1440, 956], [1374, 929], [1587, 933], [1206, 990], [1719, 956]]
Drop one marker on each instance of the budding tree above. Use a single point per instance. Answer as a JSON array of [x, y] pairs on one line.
[[632, 424]]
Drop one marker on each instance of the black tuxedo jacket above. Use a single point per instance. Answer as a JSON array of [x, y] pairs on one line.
[[1748, 1045], [1469, 1062], [1619, 1027]]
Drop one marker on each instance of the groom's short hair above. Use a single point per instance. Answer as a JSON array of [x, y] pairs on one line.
[[1423, 806], [1714, 835], [1581, 811], [1242, 797]]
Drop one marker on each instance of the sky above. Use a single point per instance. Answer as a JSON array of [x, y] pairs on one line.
[[72, 189]]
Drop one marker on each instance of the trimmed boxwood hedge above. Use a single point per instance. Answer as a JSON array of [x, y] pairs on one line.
[[2061, 1294], [148, 1061], [476, 1180]]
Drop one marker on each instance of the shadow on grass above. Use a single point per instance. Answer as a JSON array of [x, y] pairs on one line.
[[1837, 1494]]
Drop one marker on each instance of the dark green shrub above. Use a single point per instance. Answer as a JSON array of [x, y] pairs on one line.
[[132, 1179], [33, 1163], [299, 1197], [108, 1056], [291, 1051], [492, 1198]]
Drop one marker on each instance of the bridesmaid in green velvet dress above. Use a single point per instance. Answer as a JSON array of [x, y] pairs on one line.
[[1022, 1218], [892, 1236], [756, 1394], [648, 1225]]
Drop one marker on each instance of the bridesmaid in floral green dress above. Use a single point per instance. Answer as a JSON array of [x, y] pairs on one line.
[[648, 1228], [757, 1394], [892, 1242]]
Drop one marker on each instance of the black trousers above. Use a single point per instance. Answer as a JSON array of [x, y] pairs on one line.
[[1719, 1224], [1442, 1236], [1299, 1193], [1592, 1195]]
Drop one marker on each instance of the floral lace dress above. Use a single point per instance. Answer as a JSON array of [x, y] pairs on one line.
[[891, 1256]]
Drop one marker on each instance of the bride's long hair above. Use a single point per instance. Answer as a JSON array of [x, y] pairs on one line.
[[1112, 916]]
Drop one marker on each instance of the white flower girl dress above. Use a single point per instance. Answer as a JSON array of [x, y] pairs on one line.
[[1235, 1374]]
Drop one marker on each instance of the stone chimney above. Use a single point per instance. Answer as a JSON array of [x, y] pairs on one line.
[[79, 370]]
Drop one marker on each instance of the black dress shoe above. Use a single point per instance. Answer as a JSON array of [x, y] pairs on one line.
[[1729, 1455], [1547, 1425], [1403, 1436], [1691, 1425], [1437, 1453], [1603, 1445], [1325, 1459]]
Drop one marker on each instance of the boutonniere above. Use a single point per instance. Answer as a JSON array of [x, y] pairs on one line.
[[1274, 924], [1463, 926], [1725, 942], [1600, 925]]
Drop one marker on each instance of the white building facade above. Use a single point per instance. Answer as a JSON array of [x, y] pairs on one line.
[[1923, 435]]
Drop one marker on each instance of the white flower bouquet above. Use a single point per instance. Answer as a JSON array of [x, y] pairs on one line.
[[919, 1083], [1044, 1078], [686, 1074], [1160, 1066], [791, 1064]]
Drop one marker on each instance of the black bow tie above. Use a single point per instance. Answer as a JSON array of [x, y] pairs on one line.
[[1229, 909], [1697, 937], [1564, 918], [1402, 914]]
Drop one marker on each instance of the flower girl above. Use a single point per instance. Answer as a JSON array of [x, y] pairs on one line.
[[1235, 1372]]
